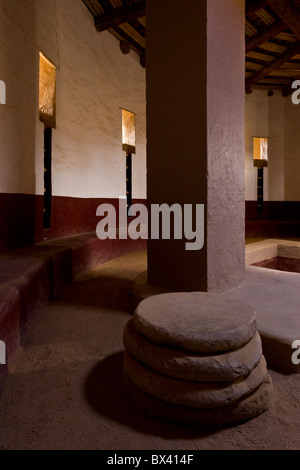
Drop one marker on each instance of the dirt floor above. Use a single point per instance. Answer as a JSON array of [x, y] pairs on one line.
[[65, 392]]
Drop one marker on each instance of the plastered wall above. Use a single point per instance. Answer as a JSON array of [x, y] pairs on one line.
[[278, 119], [94, 81]]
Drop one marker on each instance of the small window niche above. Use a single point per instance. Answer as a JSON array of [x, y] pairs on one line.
[[260, 161], [128, 145], [47, 92]]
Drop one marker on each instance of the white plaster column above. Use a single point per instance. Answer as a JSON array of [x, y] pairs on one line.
[[195, 136]]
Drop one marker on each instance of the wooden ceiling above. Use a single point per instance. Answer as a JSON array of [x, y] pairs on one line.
[[272, 33]]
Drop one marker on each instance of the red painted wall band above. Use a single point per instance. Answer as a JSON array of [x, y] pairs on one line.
[[21, 219]]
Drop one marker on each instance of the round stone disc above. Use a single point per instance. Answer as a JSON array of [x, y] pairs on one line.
[[247, 408], [191, 394], [226, 367], [197, 321]]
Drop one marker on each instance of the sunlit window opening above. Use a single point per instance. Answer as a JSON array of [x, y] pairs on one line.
[[2, 92], [47, 92]]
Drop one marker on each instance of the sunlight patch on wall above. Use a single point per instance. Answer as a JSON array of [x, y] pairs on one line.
[[260, 151], [47, 92]]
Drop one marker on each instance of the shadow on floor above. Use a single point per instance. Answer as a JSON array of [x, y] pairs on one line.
[[105, 394]]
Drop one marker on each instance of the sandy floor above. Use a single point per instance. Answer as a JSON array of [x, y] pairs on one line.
[[65, 392]]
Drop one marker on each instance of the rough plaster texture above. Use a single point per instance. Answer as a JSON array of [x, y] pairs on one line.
[[94, 81], [277, 118], [195, 137], [267, 249]]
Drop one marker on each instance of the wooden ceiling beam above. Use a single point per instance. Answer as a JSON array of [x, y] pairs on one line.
[[253, 6], [288, 13], [264, 36], [275, 64], [120, 16]]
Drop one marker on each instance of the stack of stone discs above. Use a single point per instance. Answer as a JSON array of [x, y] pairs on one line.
[[196, 359]]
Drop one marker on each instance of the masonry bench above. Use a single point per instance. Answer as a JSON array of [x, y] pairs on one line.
[[30, 277]]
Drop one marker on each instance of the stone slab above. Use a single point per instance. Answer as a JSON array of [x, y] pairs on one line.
[[191, 394], [275, 297], [179, 364], [197, 321], [247, 408], [142, 290]]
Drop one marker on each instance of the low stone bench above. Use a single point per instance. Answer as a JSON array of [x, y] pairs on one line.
[[30, 277]]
